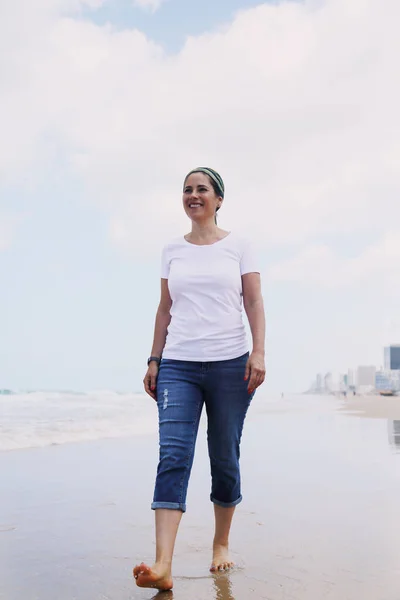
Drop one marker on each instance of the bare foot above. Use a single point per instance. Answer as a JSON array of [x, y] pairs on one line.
[[156, 577], [221, 560]]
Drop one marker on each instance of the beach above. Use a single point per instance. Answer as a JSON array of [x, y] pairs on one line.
[[319, 517], [373, 407]]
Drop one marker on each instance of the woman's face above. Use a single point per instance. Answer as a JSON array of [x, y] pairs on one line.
[[199, 198]]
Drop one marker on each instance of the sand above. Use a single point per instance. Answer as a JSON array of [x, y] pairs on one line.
[[373, 407], [319, 517]]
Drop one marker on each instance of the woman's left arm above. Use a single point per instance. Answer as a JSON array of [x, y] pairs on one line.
[[254, 307]]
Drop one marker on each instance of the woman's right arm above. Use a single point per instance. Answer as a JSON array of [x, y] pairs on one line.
[[163, 318]]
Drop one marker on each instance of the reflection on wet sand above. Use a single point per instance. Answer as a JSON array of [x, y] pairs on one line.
[[164, 596], [223, 587], [394, 434]]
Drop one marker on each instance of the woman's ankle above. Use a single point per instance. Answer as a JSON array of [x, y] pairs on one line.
[[224, 543], [164, 564]]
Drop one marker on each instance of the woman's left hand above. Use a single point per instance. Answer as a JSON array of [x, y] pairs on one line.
[[255, 371]]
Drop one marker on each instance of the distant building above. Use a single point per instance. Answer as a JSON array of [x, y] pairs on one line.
[[383, 381], [319, 382], [351, 380], [366, 376], [328, 382], [392, 358], [342, 383], [387, 381], [393, 378]]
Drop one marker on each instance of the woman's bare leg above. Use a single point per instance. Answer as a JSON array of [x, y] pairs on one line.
[[223, 521], [159, 576]]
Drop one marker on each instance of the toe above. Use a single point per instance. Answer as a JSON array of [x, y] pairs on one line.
[[136, 572], [141, 569]]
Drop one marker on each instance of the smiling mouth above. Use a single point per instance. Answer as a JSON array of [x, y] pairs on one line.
[[195, 205]]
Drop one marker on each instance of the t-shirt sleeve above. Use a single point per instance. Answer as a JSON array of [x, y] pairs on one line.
[[165, 263], [249, 262]]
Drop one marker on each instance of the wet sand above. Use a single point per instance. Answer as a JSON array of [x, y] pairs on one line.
[[319, 517]]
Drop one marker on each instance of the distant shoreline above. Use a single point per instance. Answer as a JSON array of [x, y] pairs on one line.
[[372, 406]]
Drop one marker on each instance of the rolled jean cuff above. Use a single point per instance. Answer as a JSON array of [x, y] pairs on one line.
[[169, 506], [226, 504]]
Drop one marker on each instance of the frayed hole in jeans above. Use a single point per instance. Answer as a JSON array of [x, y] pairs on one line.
[[165, 405]]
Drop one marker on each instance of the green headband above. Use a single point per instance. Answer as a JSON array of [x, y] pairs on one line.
[[216, 177]]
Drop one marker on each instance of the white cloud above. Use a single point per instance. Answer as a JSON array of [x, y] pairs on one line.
[[378, 264], [295, 103], [151, 5]]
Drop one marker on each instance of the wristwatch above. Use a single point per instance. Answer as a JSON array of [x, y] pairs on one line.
[[153, 359]]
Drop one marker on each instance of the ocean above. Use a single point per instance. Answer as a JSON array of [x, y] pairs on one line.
[[39, 419]]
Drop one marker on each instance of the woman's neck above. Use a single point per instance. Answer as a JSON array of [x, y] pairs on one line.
[[205, 233]]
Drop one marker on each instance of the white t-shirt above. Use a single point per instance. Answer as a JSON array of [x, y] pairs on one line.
[[206, 289]]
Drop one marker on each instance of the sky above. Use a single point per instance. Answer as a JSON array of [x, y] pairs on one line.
[[105, 105]]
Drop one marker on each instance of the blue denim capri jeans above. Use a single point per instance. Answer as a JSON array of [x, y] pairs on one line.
[[182, 389]]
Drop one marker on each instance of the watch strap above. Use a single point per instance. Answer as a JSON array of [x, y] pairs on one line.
[[156, 359]]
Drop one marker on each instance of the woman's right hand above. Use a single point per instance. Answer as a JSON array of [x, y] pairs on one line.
[[150, 380]]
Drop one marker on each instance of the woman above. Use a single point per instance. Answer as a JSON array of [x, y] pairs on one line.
[[199, 333]]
